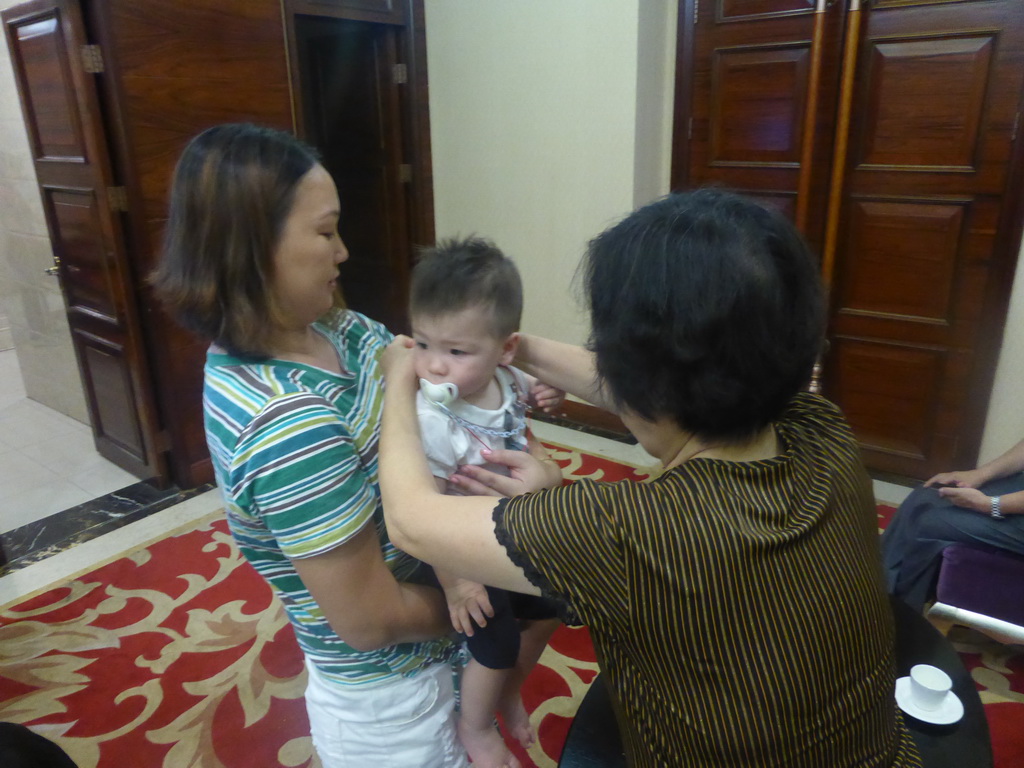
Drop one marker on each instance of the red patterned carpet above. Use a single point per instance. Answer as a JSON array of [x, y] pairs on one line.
[[176, 656]]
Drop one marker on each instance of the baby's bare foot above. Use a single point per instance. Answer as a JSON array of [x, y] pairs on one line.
[[517, 722], [485, 746]]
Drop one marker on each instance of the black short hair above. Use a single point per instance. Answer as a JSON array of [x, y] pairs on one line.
[[233, 189], [459, 273], [707, 309]]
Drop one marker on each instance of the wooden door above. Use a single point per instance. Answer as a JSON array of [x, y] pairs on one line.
[[81, 202], [173, 69], [755, 102], [909, 188], [925, 241]]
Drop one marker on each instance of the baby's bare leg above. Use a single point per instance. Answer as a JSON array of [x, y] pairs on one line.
[[482, 689], [534, 639]]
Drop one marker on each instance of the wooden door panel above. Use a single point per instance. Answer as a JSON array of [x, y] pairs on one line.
[[57, 133], [69, 145], [166, 113], [187, 39], [113, 404], [907, 257], [906, 125], [938, 90], [84, 252], [743, 121], [737, 10], [758, 96], [880, 388]]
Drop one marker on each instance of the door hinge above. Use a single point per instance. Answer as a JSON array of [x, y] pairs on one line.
[[118, 199], [405, 173], [696, 11], [92, 59], [400, 74]]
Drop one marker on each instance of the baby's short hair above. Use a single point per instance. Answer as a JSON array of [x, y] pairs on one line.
[[459, 273]]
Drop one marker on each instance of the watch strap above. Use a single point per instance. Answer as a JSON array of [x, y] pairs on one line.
[[996, 510]]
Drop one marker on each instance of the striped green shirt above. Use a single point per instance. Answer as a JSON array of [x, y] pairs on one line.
[[737, 609], [294, 450]]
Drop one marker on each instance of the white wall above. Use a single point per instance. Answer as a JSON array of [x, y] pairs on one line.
[[1004, 426], [534, 133]]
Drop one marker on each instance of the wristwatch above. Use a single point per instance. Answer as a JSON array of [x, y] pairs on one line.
[[996, 513]]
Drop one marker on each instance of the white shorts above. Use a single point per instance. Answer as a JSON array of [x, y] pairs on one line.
[[408, 722]]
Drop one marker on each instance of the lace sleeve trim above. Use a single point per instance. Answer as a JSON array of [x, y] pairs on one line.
[[534, 576]]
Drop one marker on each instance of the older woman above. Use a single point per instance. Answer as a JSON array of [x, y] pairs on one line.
[[736, 602], [292, 401]]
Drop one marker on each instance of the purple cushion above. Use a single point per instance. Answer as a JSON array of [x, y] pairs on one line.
[[986, 581]]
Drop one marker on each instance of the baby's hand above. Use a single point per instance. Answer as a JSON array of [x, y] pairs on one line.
[[468, 602], [546, 397]]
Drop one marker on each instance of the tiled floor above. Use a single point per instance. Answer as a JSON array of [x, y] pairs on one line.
[[48, 462]]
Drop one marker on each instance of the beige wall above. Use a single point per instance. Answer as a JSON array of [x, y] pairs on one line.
[[1004, 426], [534, 130], [30, 299]]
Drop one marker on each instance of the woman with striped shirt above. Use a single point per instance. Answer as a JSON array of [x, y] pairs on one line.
[[736, 601], [292, 403]]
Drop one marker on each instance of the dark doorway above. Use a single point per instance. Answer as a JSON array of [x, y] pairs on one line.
[[354, 107]]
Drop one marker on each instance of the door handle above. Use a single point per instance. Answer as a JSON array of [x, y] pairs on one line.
[[55, 269]]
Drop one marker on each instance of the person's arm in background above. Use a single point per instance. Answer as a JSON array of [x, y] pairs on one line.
[[961, 487], [565, 366]]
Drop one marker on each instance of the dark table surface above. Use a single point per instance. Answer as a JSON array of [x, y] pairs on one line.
[[593, 740]]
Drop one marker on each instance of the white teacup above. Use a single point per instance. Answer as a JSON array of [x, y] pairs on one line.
[[929, 686]]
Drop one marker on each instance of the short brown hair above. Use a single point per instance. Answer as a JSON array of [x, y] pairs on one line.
[[457, 274], [233, 189]]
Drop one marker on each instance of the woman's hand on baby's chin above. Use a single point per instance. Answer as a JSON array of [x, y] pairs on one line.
[[396, 360]]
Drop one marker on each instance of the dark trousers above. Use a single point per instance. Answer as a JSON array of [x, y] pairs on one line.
[[22, 748], [496, 646], [926, 523]]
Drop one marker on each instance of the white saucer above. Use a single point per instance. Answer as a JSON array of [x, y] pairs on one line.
[[948, 712]]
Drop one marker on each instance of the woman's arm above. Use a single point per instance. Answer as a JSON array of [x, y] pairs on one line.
[[453, 532], [1009, 463], [972, 498], [565, 366], [364, 604]]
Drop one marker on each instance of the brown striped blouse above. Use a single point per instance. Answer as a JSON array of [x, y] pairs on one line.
[[737, 609]]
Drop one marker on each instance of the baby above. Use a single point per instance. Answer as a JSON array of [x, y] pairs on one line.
[[465, 304]]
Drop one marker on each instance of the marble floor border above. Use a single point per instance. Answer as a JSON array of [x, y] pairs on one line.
[[43, 538], [73, 563]]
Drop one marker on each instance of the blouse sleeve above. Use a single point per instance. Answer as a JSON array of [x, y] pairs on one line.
[[298, 465], [569, 543]]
